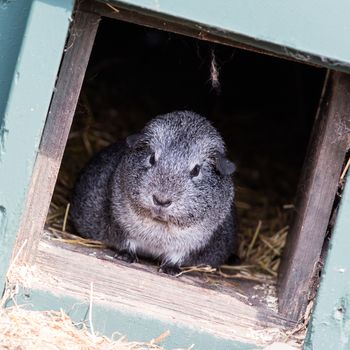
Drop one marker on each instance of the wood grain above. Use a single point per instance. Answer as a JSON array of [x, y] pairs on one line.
[[250, 291], [55, 133], [150, 294], [317, 189]]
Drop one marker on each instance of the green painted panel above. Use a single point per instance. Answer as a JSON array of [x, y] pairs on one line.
[[32, 37], [330, 326], [107, 321], [302, 29], [13, 20]]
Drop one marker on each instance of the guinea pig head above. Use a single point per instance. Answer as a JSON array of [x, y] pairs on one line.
[[179, 170]]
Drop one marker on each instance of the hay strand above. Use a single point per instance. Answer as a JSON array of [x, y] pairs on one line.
[[160, 338], [255, 236], [65, 218], [200, 268], [346, 168]]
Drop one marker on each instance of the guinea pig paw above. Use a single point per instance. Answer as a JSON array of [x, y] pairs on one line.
[[126, 256], [172, 270]]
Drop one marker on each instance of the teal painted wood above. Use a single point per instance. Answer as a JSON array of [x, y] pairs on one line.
[[330, 325], [311, 31], [13, 20], [32, 38], [107, 321]]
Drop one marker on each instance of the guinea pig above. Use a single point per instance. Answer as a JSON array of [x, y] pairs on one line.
[[165, 193]]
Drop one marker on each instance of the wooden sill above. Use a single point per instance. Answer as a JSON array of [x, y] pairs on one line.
[[237, 311]]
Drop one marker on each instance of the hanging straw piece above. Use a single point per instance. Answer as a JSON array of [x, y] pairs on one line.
[[214, 73]]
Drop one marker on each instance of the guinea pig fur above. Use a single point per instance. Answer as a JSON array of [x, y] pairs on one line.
[[166, 193]]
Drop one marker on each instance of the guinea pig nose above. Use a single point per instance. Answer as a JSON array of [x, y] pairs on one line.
[[161, 202]]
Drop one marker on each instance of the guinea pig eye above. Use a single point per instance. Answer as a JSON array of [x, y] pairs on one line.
[[195, 171], [152, 159]]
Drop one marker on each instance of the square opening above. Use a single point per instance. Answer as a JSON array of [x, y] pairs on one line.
[[263, 106]]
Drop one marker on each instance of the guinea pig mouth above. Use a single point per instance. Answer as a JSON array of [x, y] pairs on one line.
[[159, 215]]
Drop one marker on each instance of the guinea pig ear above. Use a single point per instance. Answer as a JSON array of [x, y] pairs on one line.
[[134, 139], [224, 166]]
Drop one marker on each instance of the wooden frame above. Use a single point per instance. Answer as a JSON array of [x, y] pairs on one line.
[[224, 312], [55, 133], [323, 165], [299, 273]]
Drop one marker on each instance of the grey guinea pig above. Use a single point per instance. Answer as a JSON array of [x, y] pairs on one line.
[[166, 193]]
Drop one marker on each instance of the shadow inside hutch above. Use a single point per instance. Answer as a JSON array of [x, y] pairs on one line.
[[263, 106]]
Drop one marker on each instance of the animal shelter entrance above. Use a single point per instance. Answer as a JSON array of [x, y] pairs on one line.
[[263, 106]]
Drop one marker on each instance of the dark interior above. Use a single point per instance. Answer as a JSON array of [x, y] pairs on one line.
[[263, 106]]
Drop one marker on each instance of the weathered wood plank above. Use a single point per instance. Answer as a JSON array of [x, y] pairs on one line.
[[317, 190], [257, 293], [56, 132], [133, 290]]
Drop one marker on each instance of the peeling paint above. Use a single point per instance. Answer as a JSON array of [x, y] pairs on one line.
[[333, 63], [3, 220], [3, 136], [342, 317], [340, 310], [299, 56], [338, 314], [340, 270], [17, 76]]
